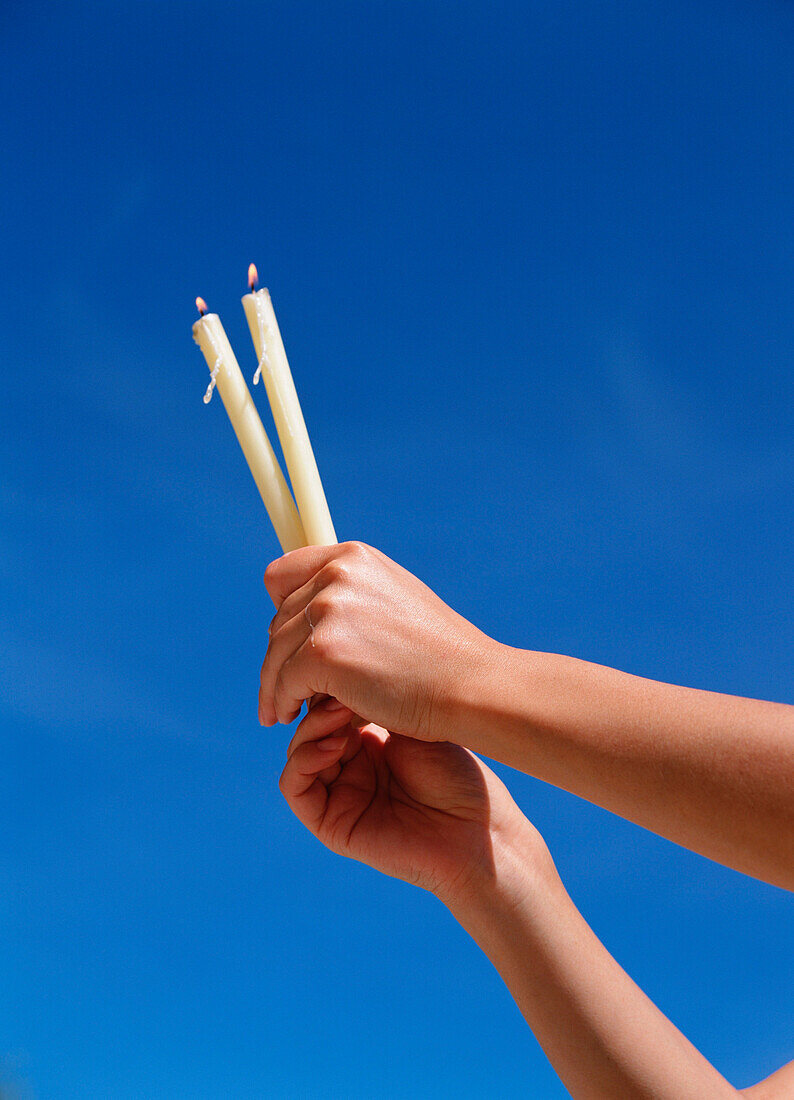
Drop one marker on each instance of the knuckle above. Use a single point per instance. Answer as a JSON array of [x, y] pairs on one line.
[[337, 570], [272, 648], [321, 605], [357, 551], [276, 628]]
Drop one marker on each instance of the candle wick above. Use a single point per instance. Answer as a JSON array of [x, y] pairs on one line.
[[213, 380]]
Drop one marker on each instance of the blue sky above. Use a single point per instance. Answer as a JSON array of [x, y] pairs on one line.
[[533, 267]]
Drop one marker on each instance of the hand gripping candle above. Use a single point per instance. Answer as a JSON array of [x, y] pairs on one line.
[[209, 334], [298, 454]]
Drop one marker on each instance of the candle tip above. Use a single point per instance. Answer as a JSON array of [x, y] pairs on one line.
[[253, 276], [201, 306]]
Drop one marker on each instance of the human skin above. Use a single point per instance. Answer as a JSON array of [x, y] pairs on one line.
[[712, 772], [354, 627], [436, 816]]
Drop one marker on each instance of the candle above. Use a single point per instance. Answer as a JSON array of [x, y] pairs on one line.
[[209, 334], [298, 454]]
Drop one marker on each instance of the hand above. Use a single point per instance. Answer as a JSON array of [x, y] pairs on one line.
[[354, 625], [431, 814]]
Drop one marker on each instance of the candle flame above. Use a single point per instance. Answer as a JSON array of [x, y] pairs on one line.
[[253, 276], [201, 306]]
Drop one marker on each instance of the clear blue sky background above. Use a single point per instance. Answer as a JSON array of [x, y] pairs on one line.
[[534, 265]]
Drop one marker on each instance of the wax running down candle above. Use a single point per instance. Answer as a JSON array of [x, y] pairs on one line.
[[295, 443], [209, 334]]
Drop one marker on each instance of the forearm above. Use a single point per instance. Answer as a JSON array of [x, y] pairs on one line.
[[603, 1036], [712, 772]]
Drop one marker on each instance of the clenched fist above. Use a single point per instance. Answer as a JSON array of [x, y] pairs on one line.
[[353, 625]]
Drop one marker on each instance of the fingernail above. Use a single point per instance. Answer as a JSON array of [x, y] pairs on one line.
[[332, 744]]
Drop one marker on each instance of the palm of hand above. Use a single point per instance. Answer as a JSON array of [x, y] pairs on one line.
[[415, 810]]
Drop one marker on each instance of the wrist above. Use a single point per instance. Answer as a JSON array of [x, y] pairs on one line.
[[523, 708], [486, 693], [518, 876]]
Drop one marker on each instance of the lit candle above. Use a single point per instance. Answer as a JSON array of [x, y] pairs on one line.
[[209, 334], [298, 454]]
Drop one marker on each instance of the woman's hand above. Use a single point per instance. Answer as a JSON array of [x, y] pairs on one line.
[[354, 625], [436, 816], [431, 814], [712, 772]]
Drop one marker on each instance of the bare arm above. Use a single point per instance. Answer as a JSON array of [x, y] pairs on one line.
[[712, 772], [603, 1036], [435, 815]]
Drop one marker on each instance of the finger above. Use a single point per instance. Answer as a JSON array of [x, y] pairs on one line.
[[332, 718], [300, 599], [299, 677], [323, 720], [306, 794], [293, 570], [282, 645]]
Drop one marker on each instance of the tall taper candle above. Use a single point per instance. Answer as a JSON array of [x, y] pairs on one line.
[[298, 454], [209, 334]]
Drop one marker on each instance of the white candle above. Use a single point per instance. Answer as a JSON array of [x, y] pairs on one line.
[[298, 454], [209, 334]]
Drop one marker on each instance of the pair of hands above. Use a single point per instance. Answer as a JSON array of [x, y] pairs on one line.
[[377, 652], [385, 654]]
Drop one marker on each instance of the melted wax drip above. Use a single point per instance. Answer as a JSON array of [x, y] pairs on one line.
[[213, 380], [263, 358]]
